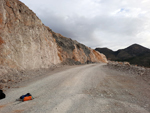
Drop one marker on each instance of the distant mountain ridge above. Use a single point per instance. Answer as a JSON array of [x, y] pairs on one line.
[[135, 54]]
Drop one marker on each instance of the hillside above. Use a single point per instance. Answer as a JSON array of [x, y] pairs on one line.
[[135, 54], [26, 44]]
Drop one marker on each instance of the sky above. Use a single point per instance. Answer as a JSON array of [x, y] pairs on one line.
[[115, 24]]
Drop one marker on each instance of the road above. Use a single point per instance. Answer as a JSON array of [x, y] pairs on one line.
[[89, 88]]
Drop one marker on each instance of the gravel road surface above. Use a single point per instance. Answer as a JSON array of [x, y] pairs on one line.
[[89, 88]]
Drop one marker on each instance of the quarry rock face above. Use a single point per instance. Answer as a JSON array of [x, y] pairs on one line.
[[71, 50], [26, 43]]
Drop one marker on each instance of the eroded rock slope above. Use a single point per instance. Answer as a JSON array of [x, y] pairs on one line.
[[26, 43]]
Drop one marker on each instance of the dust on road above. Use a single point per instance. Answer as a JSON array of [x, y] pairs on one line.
[[84, 89]]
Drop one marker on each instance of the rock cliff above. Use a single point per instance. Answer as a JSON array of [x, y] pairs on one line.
[[26, 43]]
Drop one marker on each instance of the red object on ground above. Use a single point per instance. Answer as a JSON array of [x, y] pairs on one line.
[[27, 98]]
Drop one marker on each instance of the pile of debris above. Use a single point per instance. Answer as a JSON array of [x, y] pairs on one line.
[[126, 67]]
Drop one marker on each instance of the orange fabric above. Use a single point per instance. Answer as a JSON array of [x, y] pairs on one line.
[[27, 98]]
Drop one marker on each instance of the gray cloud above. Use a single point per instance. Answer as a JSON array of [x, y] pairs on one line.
[[97, 23]]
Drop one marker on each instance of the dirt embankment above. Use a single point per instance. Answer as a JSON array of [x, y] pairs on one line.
[[133, 70], [15, 79]]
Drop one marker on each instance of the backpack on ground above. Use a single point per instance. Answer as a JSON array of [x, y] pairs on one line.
[[25, 97]]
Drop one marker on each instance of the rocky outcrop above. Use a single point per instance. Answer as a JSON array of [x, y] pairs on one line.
[[26, 43], [76, 52]]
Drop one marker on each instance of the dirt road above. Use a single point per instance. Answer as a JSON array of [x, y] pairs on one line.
[[84, 89]]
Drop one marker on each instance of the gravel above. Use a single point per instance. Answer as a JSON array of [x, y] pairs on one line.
[[93, 88]]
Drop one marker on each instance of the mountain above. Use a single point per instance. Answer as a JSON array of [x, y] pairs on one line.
[[108, 52], [26, 43], [135, 54]]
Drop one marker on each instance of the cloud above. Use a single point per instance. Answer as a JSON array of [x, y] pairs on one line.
[[97, 23]]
